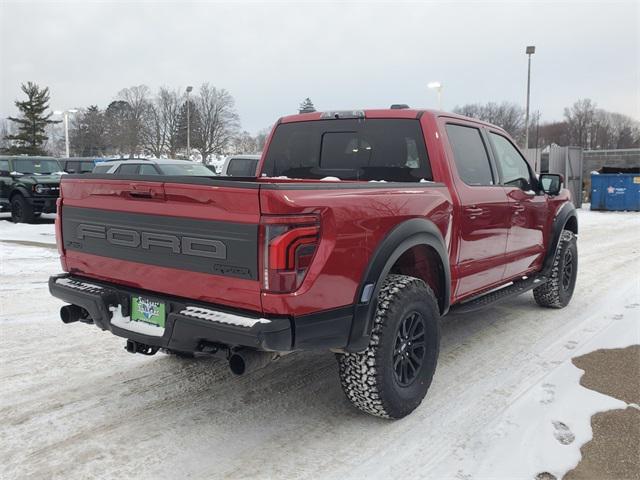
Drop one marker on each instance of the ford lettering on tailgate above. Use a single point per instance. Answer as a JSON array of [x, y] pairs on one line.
[[221, 248]]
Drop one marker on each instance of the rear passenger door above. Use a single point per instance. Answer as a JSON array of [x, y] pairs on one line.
[[525, 246], [5, 182], [482, 215]]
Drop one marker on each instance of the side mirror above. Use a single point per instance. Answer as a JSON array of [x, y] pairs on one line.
[[550, 183], [5, 173]]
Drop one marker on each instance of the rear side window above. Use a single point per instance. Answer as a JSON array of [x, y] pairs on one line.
[[148, 170], [86, 167], [102, 168], [4, 165], [470, 155], [349, 149], [128, 169], [72, 167], [242, 167]]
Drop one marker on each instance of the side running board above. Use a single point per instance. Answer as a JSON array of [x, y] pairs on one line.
[[497, 296]]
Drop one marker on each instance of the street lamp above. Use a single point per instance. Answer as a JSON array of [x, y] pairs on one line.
[[65, 116], [531, 49], [189, 89], [437, 86]]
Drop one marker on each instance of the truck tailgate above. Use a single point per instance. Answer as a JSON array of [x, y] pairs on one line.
[[195, 239]]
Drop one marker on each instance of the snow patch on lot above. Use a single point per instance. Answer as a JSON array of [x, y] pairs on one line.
[[40, 232], [543, 430]]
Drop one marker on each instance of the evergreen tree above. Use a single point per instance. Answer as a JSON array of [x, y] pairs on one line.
[[32, 122], [307, 106], [88, 133]]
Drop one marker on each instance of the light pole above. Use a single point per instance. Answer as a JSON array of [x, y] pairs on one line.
[[65, 117], [530, 51], [189, 89], [437, 86]]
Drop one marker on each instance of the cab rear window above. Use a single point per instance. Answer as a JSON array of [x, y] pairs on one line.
[[349, 149]]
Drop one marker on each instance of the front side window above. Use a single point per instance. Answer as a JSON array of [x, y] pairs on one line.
[[37, 167], [349, 149], [513, 168], [470, 155]]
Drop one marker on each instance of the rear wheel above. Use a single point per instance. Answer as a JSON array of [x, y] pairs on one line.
[[391, 377], [558, 290], [21, 210]]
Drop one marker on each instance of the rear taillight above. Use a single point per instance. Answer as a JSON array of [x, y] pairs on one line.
[[290, 242]]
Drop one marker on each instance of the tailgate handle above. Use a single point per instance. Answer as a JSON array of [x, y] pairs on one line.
[[140, 193]]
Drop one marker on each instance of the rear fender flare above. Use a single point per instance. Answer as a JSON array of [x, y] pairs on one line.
[[408, 234]]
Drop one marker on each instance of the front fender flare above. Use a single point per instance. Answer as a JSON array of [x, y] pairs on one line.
[[565, 216]]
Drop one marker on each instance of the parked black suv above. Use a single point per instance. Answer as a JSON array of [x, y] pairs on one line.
[[78, 164], [29, 186]]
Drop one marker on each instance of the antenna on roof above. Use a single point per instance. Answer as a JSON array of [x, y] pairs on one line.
[[399, 106]]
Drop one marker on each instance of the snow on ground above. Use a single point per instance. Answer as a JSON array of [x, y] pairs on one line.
[[42, 232], [74, 404]]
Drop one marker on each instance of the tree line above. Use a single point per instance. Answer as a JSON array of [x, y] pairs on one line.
[[137, 122], [162, 124], [584, 125]]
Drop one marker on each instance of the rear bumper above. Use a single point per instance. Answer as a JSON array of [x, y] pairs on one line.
[[194, 326]]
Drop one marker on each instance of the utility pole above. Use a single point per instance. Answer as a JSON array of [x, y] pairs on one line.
[[530, 51], [65, 117], [189, 89]]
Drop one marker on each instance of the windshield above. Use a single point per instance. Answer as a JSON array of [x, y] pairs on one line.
[[186, 168], [349, 149], [38, 167]]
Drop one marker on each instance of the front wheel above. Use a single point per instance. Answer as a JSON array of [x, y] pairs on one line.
[[558, 290], [391, 377], [21, 210]]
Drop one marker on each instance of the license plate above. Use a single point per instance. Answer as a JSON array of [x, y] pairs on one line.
[[148, 311]]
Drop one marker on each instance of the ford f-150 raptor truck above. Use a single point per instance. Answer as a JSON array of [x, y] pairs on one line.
[[361, 230], [29, 186]]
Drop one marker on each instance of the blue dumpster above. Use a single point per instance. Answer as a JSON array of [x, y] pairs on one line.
[[615, 191]]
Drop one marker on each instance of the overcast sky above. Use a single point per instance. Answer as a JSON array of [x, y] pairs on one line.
[[343, 55]]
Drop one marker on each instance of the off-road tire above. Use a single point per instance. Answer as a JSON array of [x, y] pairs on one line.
[[368, 378], [21, 210], [558, 290]]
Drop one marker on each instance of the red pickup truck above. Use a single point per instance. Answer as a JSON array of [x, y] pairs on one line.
[[360, 230]]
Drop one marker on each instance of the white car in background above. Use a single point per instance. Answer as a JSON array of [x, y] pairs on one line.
[[153, 167], [240, 166]]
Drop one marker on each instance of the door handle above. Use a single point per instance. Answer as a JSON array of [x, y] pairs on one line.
[[474, 212]]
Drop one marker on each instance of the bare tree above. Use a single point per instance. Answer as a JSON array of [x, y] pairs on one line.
[[219, 121], [245, 143], [169, 102], [153, 135], [506, 115], [579, 118], [138, 99]]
